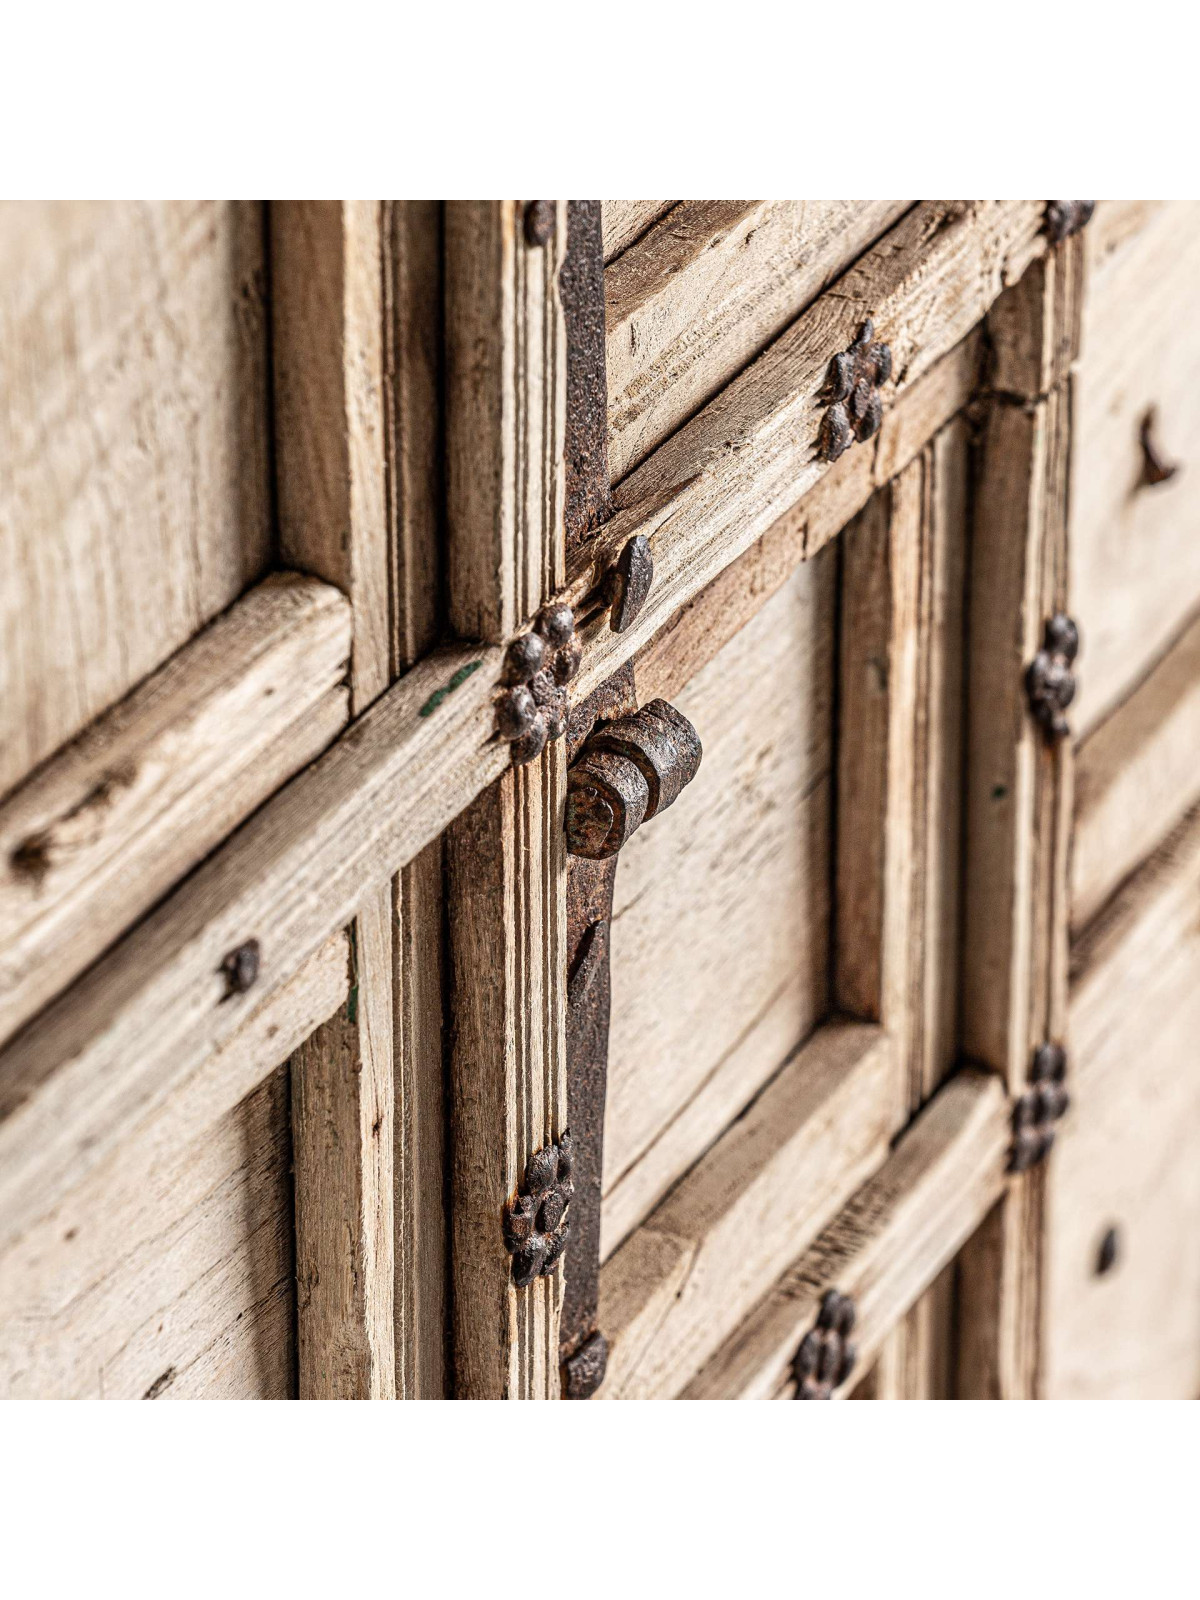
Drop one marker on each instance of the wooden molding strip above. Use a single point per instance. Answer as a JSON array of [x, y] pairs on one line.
[[104, 829], [885, 1248], [684, 1280], [623, 221], [704, 290]]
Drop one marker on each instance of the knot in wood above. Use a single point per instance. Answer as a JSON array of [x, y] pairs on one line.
[[240, 968], [852, 394], [1065, 217], [627, 772], [532, 710], [1037, 1110], [536, 1223], [1049, 681], [826, 1356]]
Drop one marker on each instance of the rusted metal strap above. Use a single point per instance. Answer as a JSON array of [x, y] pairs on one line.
[[581, 287]]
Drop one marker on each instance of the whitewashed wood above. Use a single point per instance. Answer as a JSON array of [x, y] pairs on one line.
[[684, 1280], [356, 319], [704, 290], [700, 628], [623, 221], [1135, 549], [1126, 1152], [720, 926], [1019, 807], [135, 503], [718, 484], [104, 829], [174, 1255], [506, 855], [1136, 775], [884, 1249]]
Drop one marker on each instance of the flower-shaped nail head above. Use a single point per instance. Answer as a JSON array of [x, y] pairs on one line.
[[536, 1223], [539, 665]]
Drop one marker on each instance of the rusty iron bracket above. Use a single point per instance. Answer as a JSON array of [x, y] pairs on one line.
[[826, 1355], [1049, 681], [1037, 1110]]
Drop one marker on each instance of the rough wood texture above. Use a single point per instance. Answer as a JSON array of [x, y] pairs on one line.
[[134, 504], [506, 855], [105, 828], [1019, 805], [356, 338], [720, 928], [1139, 763], [1135, 547], [685, 1279], [884, 1249], [168, 1269], [718, 484], [626, 220], [1125, 1157], [696, 633], [704, 290]]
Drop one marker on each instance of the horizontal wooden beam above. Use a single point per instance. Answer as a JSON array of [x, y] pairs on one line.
[[626, 220], [685, 1279], [103, 830], [885, 1248], [704, 290]]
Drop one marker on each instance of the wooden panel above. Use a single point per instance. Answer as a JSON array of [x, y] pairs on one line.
[[1135, 776], [720, 929], [704, 290], [885, 1248], [134, 504], [623, 221], [1135, 547], [685, 1279], [1126, 1155], [96, 837]]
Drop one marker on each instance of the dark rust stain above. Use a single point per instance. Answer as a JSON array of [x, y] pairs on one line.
[[1037, 1110], [581, 288], [628, 583], [589, 910], [536, 1220], [629, 771], [1155, 466], [826, 1355], [1106, 1256], [540, 222], [1065, 217], [852, 394], [1049, 681], [240, 968], [532, 709]]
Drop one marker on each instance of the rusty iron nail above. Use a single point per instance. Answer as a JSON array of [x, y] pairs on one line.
[[1106, 1256], [629, 582], [1155, 466], [583, 1372], [1065, 217], [541, 220], [240, 968]]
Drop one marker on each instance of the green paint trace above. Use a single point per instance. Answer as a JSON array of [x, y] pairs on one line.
[[438, 695]]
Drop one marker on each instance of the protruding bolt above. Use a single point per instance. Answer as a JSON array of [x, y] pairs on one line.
[[629, 582], [583, 1372], [240, 968]]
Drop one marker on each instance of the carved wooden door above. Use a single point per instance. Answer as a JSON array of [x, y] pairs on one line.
[[550, 845]]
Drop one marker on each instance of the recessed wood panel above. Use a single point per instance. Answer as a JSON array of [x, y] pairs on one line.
[[720, 933], [134, 501]]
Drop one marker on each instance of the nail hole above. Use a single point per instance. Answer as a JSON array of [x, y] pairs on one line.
[[1106, 1256]]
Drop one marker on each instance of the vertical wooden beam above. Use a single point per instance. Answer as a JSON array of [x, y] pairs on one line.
[[1018, 791], [506, 855], [356, 303], [900, 757]]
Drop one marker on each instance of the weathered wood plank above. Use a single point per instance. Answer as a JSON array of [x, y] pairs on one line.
[[704, 290], [92, 840], [135, 502], [884, 1249], [623, 221], [685, 1279]]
